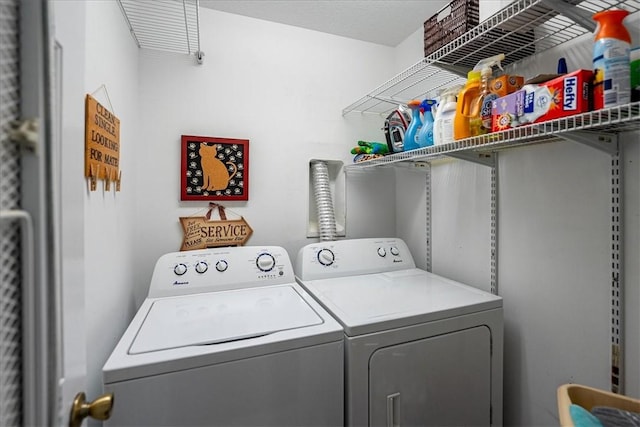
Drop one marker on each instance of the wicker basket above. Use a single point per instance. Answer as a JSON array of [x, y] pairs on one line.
[[588, 397], [453, 20]]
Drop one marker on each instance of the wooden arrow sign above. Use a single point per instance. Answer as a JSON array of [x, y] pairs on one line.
[[201, 232]]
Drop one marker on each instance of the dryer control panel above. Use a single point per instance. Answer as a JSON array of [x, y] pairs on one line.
[[352, 257], [208, 270]]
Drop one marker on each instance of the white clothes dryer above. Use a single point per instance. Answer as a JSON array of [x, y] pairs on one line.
[[420, 349], [226, 337]]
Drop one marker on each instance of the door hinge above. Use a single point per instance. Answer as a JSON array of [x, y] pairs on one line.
[[26, 134]]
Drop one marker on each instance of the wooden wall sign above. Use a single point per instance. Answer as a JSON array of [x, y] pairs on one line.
[[214, 168], [101, 144], [201, 232]]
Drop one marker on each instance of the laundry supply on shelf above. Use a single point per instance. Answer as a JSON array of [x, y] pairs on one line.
[[507, 110], [506, 84], [367, 147], [611, 60], [537, 102], [425, 135], [445, 113], [560, 97], [464, 105], [410, 137], [482, 122]]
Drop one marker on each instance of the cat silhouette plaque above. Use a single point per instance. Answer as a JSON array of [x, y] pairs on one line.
[[214, 168]]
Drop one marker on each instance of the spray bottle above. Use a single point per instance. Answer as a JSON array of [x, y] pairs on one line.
[[611, 60], [484, 102], [425, 136], [410, 136], [443, 123]]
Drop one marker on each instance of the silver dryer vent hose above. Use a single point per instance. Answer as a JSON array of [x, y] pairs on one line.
[[324, 202]]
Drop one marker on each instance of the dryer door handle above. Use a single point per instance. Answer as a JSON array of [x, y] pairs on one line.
[[393, 410]]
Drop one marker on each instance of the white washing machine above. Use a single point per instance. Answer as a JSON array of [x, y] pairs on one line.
[[226, 337], [420, 349]]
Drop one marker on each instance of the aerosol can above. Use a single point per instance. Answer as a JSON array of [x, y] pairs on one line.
[[611, 60]]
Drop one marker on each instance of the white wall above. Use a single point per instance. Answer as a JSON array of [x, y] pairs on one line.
[[110, 222], [98, 227], [282, 88]]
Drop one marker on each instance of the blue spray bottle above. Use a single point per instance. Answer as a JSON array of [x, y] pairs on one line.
[[411, 135], [425, 136]]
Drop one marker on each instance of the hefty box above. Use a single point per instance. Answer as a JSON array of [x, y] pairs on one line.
[[559, 97]]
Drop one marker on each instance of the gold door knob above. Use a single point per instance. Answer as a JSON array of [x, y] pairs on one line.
[[99, 409]]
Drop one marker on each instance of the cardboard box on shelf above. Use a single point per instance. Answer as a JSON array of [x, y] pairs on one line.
[[561, 96], [506, 84], [507, 110]]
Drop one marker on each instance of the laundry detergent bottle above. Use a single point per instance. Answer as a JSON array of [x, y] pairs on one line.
[[464, 105], [611, 60], [443, 122], [425, 135], [411, 135]]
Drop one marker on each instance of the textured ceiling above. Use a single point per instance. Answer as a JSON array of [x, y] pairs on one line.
[[385, 22]]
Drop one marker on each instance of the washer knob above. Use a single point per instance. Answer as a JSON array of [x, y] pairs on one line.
[[265, 262], [202, 267], [222, 265], [180, 269], [382, 252], [326, 257], [394, 251]]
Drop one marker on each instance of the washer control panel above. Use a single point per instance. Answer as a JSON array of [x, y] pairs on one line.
[[352, 257], [208, 270]]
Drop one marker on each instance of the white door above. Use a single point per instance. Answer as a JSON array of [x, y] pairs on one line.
[[439, 381], [53, 339]]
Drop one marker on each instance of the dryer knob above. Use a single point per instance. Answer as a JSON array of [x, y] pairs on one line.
[[180, 269], [202, 267], [394, 251], [326, 257], [382, 252], [265, 262], [222, 265]]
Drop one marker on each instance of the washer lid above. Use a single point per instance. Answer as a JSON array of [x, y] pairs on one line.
[[218, 317], [376, 302]]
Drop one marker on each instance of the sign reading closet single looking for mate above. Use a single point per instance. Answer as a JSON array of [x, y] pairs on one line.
[[101, 141]]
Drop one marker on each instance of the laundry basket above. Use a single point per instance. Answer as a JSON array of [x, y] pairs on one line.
[[588, 397]]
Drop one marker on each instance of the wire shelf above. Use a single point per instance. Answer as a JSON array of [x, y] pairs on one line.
[[622, 118], [520, 30], [168, 25]]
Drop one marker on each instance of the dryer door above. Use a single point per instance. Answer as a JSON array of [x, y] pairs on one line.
[[443, 380]]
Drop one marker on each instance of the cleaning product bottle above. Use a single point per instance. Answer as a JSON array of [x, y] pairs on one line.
[[480, 121], [611, 60], [411, 135], [466, 96], [443, 122], [425, 136]]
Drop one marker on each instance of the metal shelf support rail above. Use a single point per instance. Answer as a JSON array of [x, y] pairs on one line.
[[617, 288]]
